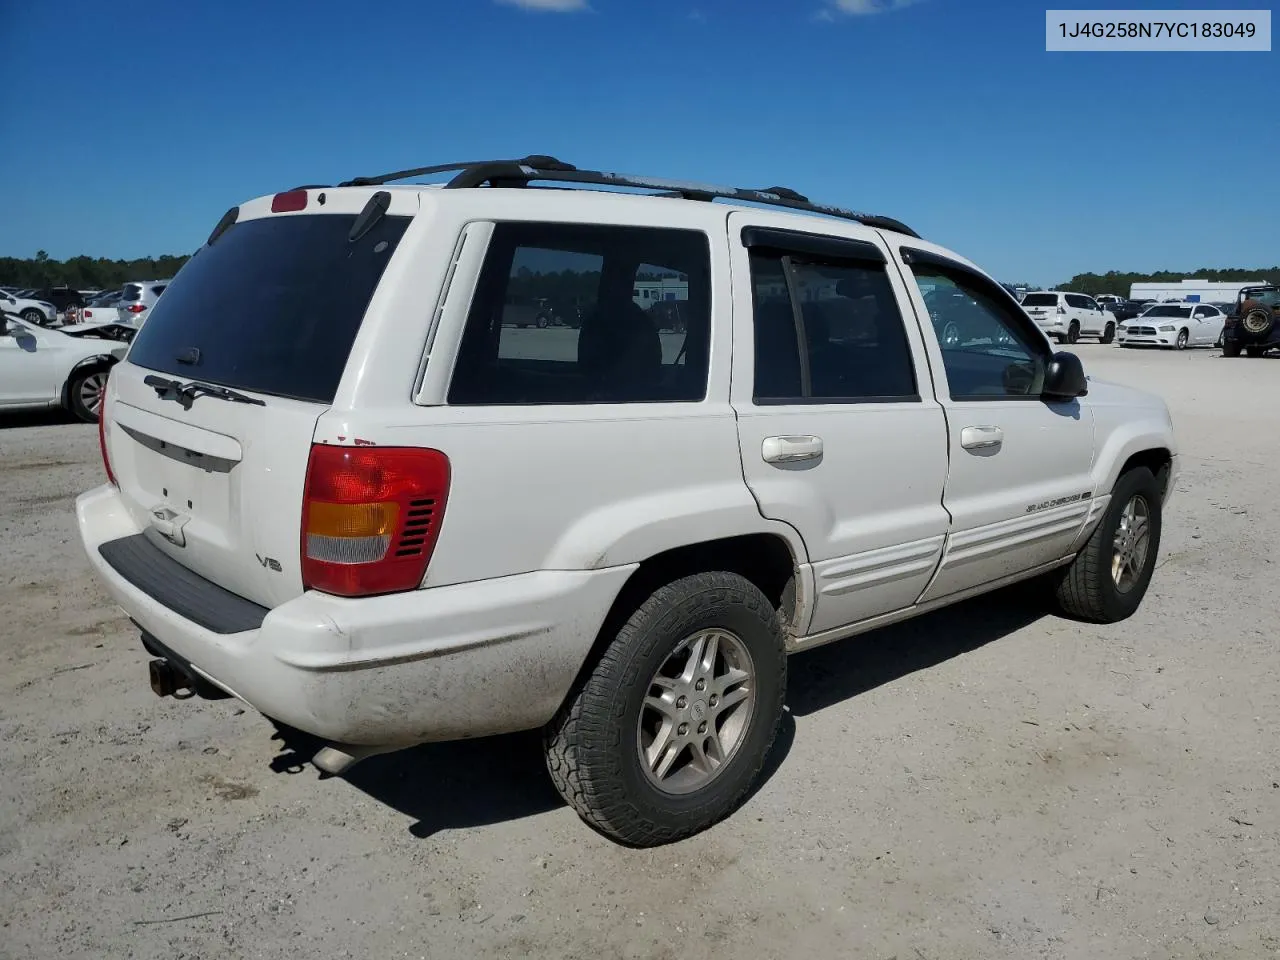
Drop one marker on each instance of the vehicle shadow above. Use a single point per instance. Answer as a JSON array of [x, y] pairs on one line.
[[840, 671], [17, 419], [475, 783], [467, 783]]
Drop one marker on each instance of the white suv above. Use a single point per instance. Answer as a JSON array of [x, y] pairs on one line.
[[342, 489], [1070, 316]]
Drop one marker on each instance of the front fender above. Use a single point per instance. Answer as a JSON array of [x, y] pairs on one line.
[[1123, 432]]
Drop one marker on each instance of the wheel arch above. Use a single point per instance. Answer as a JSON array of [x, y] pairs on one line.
[[766, 559], [98, 360]]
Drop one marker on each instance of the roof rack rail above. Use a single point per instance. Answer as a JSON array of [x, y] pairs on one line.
[[519, 173]]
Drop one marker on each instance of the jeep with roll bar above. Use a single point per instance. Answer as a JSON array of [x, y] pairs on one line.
[[1252, 327]]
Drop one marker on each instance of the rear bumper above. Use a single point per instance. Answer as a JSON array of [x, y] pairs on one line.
[[473, 659]]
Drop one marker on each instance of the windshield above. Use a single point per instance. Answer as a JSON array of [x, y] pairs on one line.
[[1168, 311], [273, 306], [1040, 300]]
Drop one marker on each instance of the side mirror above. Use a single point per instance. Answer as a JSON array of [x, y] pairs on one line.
[[1064, 378]]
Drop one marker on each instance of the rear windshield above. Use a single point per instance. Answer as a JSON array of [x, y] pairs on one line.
[[273, 306], [1168, 312], [1040, 300]]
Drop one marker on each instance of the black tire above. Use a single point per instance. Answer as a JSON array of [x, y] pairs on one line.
[[592, 746], [1230, 348], [542, 321], [1254, 352], [1073, 332], [1087, 588], [1109, 333], [1182, 340], [80, 390], [34, 316]]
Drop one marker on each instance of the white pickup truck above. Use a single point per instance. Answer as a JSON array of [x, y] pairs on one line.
[[342, 489]]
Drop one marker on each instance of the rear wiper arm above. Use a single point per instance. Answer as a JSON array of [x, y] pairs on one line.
[[186, 393]]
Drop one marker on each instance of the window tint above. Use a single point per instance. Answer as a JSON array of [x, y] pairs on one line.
[[987, 350], [1040, 300], [131, 293], [854, 343], [1079, 302], [560, 315], [157, 290], [273, 306]]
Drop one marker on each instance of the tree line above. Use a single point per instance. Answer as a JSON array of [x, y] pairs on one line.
[[1119, 283], [99, 273], [85, 273]]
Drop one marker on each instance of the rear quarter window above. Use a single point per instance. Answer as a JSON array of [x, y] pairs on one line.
[[272, 307]]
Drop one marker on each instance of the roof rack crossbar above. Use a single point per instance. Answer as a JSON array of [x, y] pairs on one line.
[[538, 161]]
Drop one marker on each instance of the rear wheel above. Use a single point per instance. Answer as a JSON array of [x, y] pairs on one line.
[[1109, 334], [1109, 577], [34, 316], [1230, 348], [1255, 351], [1073, 332], [669, 731], [85, 391]]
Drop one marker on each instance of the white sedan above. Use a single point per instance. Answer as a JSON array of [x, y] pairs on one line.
[[42, 368], [32, 311], [1177, 325]]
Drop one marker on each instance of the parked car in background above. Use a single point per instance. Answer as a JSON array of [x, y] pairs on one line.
[[1069, 316], [104, 309], [1127, 309], [1253, 325], [1177, 325], [137, 298], [31, 310], [64, 298], [49, 368]]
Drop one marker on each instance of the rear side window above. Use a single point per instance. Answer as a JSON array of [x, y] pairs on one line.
[[847, 319], [132, 292], [1040, 300], [560, 316], [273, 306]]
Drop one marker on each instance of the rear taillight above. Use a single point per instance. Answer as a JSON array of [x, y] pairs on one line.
[[102, 439], [370, 517], [135, 308]]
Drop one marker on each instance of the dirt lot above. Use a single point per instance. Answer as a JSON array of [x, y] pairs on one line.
[[986, 782]]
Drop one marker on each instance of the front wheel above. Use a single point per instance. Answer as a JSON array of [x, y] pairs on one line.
[[1181, 342], [1109, 577], [671, 727], [85, 392], [34, 316]]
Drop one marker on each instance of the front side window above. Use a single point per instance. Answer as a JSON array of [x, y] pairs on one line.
[[555, 317], [827, 332], [988, 351]]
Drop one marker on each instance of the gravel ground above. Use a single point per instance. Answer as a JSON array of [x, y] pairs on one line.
[[986, 782]]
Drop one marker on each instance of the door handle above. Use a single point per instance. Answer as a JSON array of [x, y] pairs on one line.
[[981, 438], [790, 449]]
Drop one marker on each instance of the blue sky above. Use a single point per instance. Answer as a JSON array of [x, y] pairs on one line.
[[945, 114]]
